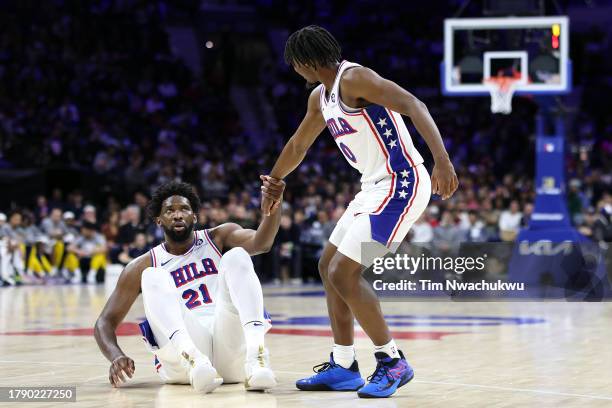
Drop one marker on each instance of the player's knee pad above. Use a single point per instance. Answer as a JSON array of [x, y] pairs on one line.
[[236, 259]]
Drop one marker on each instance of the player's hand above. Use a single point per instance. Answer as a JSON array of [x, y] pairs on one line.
[[120, 366], [444, 180], [271, 194]]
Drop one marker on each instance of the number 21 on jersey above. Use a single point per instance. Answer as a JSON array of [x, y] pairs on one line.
[[193, 297]]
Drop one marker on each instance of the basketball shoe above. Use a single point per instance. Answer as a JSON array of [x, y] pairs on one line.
[[389, 375], [259, 375], [332, 377], [202, 375]]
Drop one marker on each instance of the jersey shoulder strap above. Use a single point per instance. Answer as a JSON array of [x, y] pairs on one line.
[[341, 69], [154, 253], [322, 101], [206, 236]]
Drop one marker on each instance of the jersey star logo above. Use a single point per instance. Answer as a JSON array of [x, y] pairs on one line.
[[404, 183], [403, 194], [404, 173], [382, 122], [388, 132], [392, 143]]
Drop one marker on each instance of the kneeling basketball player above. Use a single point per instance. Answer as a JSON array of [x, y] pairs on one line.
[[203, 302]]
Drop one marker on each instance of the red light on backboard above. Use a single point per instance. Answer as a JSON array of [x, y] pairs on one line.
[[555, 42]]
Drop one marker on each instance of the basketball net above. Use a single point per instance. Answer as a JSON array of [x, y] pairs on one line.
[[501, 89]]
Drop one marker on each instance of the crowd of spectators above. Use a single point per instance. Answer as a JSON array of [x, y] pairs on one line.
[[95, 87]]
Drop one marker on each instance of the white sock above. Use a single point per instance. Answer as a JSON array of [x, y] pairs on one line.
[[389, 349], [344, 355], [254, 337], [246, 296]]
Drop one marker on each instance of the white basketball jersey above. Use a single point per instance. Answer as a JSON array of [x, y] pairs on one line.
[[373, 139], [194, 273]]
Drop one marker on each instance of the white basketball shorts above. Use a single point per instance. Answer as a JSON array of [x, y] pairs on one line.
[[381, 215]]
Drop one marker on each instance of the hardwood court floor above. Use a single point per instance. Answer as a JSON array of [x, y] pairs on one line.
[[464, 354]]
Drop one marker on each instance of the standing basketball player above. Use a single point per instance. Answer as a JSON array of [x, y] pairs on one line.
[[204, 310], [362, 112]]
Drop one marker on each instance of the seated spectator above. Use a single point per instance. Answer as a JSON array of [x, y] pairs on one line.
[[53, 226], [602, 226], [312, 239], [90, 215], [36, 246], [490, 217], [131, 225], [134, 250], [510, 222], [422, 232], [476, 232], [13, 236], [42, 208], [287, 242], [55, 229], [110, 229], [72, 229], [587, 227], [9, 274], [447, 236], [90, 248], [527, 211]]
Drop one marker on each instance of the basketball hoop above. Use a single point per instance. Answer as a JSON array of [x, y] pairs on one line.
[[501, 89]]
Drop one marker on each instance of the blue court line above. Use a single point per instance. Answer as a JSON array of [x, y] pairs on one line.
[[316, 293], [472, 321]]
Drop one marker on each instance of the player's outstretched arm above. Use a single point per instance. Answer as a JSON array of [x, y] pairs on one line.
[[231, 235], [363, 83], [117, 306], [295, 150]]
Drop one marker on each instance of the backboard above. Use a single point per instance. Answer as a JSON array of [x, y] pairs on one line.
[[532, 51]]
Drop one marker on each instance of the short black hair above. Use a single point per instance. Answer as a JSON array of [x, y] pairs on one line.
[[89, 225], [312, 45], [170, 189]]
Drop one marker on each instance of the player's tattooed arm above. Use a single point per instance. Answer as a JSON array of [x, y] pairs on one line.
[[117, 306], [295, 150], [365, 86], [230, 235]]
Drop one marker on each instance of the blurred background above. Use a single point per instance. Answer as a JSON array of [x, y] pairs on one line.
[[103, 101]]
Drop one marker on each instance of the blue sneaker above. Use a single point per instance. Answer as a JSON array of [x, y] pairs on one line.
[[390, 374], [332, 377]]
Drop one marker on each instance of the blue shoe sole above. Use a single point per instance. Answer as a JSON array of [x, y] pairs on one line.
[[350, 385], [403, 382]]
